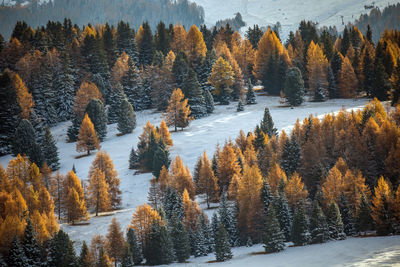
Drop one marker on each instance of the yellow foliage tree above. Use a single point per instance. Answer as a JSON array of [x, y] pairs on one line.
[[195, 47], [333, 186], [165, 134], [178, 42], [275, 175], [87, 137], [178, 111], [98, 192], [25, 100], [227, 166], [295, 191], [347, 80], [317, 69], [192, 211], [86, 92], [382, 207], [75, 204], [115, 242], [207, 183], [181, 178], [222, 77], [142, 220]]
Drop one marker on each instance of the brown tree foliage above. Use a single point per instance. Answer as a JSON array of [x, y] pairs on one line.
[[98, 192], [181, 178], [86, 92], [227, 166], [87, 137], [115, 243], [178, 111], [347, 80], [208, 183], [142, 219], [75, 204]]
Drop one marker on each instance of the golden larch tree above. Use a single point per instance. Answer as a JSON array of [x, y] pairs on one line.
[[86, 92], [333, 186], [169, 60], [75, 204], [317, 69], [142, 219], [194, 45], [178, 42], [115, 242], [181, 178], [382, 207], [87, 137], [178, 111], [207, 183], [104, 163], [222, 77], [192, 211], [57, 192], [25, 100], [347, 80], [119, 69], [227, 166], [275, 175], [295, 190], [164, 179], [165, 134], [98, 194], [249, 201]]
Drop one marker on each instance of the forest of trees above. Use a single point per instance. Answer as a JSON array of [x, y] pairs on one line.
[[329, 179], [379, 20], [38, 13]]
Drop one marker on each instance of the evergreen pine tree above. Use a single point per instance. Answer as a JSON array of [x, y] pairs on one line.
[[240, 106], [250, 96], [83, 260], [160, 159], [116, 97], [396, 85], [300, 234], [318, 225], [335, 224], [222, 245], [381, 85], [209, 101], [172, 203], [332, 86], [16, 256], [133, 159], [30, 245], [96, 113], [127, 260], [161, 39], [73, 129], [180, 239], [133, 87], [283, 215], [266, 196], [291, 155], [180, 69], [192, 90], [267, 124], [50, 152], [273, 236], [363, 216], [145, 43], [126, 117], [61, 251], [294, 87], [347, 216], [134, 247], [64, 82], [125, 41], [227, 220], [25, 143], [159, 248]]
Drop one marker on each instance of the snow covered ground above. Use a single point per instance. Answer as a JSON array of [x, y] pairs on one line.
[[204, 134], [289, 13]]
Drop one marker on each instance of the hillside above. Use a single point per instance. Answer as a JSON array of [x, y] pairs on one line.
[[288, 13]]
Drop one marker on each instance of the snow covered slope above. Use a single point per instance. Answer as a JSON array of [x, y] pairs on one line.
[[289, 13]]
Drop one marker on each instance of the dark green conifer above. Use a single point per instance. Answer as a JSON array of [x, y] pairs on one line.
[[222, 245], [208, 98], [61, 251], [274, 239], [193, 92], [126, 117], [250, 96], [267, 124], [50, 152], [180, 239], [291, 155], [97, 114], [318, 225], [134, 247], [300, 234], [294, 87], [16, 256], [335, 223], [240, 106]]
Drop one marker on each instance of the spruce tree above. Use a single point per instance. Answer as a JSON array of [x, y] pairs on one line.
[[266, 196], [30, 245], [335, 223], [159, 248], [133, 87], [283, 215], [363, 216], [126, 117], [273, 236], [97, 114], [267, 124], [61, 251], [332, 86], [259, 138], [300, 234], [209, 100], [226, 219], [83, 260], [294, 87], [291, 155], [172, 203], [318, 225], [73, 129], [64, 82], [222, 245], [50, 152], [25, 143], [240, 106], [192, 90], [134, 247], [16, 256], [127, 260], [381, 85], [347, 216], [161, 39], [180, 239], [133, 159], [160, 159], [180, 69], [116, 97], [250, 96]]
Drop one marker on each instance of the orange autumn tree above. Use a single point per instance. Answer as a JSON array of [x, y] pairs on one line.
[[347, 80], [181, 178], [165, 134], [333, 186], [317, 69], [382, 207], [164, 179], [227, 166], [86, 92], [104, 163], [192, 211], [98, 192], [75, 204], [207, 183], [87, 138], [178, 41], [115, 242], [249, 201], [178, 111], [295, 190], [275, 175], [25, 100], [142, 219], [194, 45]]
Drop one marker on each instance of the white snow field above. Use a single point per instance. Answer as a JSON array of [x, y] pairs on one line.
[[204, 134], [289, 13]]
